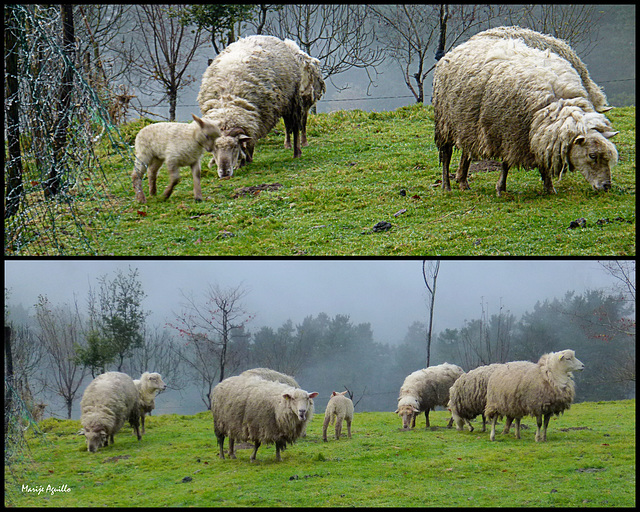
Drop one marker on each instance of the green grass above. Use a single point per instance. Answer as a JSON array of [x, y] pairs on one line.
[[350, 178], [588, 460]]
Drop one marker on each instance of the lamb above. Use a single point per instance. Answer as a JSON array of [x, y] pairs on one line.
[[423, 390], [499, 98], [468, 396], [523, 388], [109, 400], [177, 144], [245, 90], [312, 88], [148, 386], [338, 409], [260, 411]]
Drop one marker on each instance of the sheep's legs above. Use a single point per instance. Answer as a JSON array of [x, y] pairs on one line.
[[195, 171], [174, 178], [494, 420], [501, 186], [349, 428], [232, 448], [338, 428], [152, 173], [445, 159], [426, 415], [255, 451], [517, 428], [507, 425], [463, 171], [279, 447], [543, 436], [221, 445], [303, 130], [547, 182]]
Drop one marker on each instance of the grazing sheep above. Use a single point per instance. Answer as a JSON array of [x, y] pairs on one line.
[[338, 409], [312, 88], [499, 98], [260, 411], [177, 144], [149, 385], [468, 396], [245, 90], [423, 390], [109, 400], [523, 388]]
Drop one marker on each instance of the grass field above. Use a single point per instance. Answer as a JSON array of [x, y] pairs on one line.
[[588, 460], [362, 168]]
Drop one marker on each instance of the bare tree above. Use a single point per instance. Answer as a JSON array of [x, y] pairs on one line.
[[625, 272], [430, 275], [60, 333], [340, 36], [208, 328], [167, 49]]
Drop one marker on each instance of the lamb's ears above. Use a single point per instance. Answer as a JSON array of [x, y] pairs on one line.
[[396, 411], [343, 393], [313, 395], [287, 396], [579, 140], [608, 135], [198, 120], [244, 139]]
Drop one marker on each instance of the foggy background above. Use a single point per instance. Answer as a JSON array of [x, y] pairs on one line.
[[611, 62], [389, 295]]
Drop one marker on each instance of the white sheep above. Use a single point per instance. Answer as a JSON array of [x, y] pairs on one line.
[[245, 90], [177, 144], [312, 87], [108, 401], [259, 411], [423, 390], [523, 388], [468, 396], [149, 385], [499, 98], [339, 409]]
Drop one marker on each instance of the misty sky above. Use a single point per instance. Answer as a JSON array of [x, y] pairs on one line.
[[390, 294]]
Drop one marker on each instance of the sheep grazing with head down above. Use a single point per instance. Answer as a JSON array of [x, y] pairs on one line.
[[523, 388], [149, 385], [468, 396], [245, 90], [498, 97], [259, 411], [109, 400], [423, 390], [312, 88], [176, 144], [339, 409]]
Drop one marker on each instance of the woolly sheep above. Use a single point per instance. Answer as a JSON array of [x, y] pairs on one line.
[[245, 90], [338, 409], [177, 144], [312, 88], [148, 386], [109, 400], [499, 98], [423, 390], [523, 388], [260, 411], [269, 374], [468, 396]]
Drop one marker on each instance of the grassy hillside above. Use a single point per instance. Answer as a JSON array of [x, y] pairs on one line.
[[588, 460], [360, 169]]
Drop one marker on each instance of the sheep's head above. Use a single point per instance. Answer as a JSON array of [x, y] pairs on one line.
[[231, 150], [569, 362], [594, 156], [96, 438], [406, 412], [299, 402], [207, 133], [153, 381]]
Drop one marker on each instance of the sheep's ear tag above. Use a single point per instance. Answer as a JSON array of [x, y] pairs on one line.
[[560, 357]]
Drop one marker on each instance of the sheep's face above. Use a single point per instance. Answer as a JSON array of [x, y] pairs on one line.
[[569, 362], [155, 382], [406, 412], [206, 134], [594, 156], [95, 439], [299, 402], [230, 152]]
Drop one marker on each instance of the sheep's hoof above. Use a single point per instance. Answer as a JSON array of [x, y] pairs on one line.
[[198, 199]]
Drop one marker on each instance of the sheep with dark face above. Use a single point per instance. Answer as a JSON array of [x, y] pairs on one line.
[[499, 98], [109, 400], [523, 388], [245, 90], [259, 411]]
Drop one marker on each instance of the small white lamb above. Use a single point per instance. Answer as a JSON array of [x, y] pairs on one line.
[[177, 144]]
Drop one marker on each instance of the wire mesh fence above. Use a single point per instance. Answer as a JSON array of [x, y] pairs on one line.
[[59, 139]]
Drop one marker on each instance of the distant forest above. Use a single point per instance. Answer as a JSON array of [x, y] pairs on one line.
[[56, 353]]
